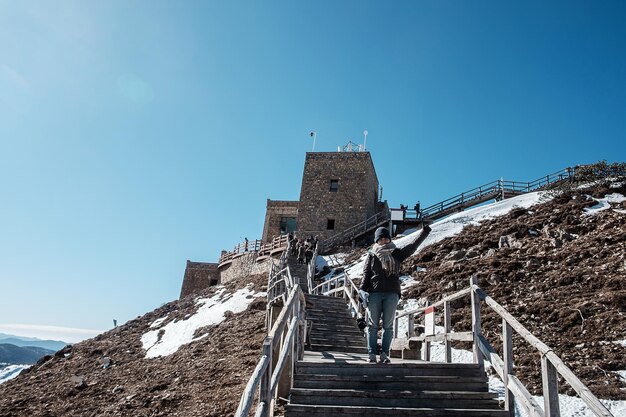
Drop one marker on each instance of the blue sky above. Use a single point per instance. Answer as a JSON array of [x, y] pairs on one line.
[[137, 135]]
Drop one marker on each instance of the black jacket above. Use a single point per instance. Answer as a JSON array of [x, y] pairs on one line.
[[374, 277]]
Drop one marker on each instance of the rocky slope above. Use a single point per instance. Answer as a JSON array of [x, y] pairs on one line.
[[560, 271], [110, 375]]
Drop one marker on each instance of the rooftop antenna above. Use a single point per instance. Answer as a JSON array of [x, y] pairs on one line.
[[365, 132], [313, 135]]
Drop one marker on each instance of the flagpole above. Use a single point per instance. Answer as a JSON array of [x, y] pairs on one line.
[[313, 134]]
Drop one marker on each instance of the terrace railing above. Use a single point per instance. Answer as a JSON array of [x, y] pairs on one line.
[[255, 246]]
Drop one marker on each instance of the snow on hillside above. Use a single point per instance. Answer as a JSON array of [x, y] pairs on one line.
[[10, 371], [454, 224], [165, 339]]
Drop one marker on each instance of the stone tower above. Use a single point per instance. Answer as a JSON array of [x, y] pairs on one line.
[[339, 190]]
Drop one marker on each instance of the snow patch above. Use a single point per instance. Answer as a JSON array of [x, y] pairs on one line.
[[166, 340], [604, 203], [454, 224], [11, 371]]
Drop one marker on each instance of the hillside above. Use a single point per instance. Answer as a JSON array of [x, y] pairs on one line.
[[11, 354], [111, 374], [52, 345], [560, 271]]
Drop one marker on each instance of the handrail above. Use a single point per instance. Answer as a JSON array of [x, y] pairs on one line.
[[255, 246], [500, 188], [552, 365], [351, 292], [310, 271], [266, 376]]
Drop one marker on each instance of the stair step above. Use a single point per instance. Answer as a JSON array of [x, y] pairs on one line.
[[386, 382], [337, 348], [341, 336], [300, 410], [399, 398], [398, 369]]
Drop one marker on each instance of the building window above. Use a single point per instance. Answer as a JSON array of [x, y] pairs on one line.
[[287, 225], [334, 186], [330, 224]]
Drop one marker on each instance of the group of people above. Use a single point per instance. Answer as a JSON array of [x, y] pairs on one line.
[[302, 248]]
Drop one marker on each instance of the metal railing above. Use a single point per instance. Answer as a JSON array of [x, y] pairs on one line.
[[498, 189], [551, 364]]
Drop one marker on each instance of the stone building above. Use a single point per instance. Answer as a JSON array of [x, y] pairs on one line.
[[281, 217], [199, 275], [339, 190]]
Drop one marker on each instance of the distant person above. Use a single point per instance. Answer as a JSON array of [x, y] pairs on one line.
[[245, 244], [417, 209], [308, 254], [380, 288], [301, 252], [294, 246], [114, 323]]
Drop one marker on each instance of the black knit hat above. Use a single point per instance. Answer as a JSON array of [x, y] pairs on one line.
[[380, 233]]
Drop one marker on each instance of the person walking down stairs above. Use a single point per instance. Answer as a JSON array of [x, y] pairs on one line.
[[380, 288]]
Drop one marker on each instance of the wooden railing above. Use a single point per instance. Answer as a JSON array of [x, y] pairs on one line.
[[280, 280], [551, 364], [254, 246], [343, 285], [310, 271], [281, 348]]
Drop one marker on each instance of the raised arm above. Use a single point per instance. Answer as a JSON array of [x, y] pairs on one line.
[[408, 250]]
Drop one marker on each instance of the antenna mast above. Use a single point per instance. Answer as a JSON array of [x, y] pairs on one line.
[[365, 132], [313, 135]]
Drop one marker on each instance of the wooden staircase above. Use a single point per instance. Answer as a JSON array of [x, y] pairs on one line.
[[335, 379]]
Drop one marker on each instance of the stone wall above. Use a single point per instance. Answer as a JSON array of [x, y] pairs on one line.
[[198, 276], [276, 210], [355, 198], [244, 265]]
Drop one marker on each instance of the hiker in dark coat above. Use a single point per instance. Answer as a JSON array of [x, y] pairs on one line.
[[294, 246], [301, 251], [308, 254], [380, 288]]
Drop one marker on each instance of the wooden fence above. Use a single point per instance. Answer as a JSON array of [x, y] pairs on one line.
[[255, 246], [551, 364], [281, 348]]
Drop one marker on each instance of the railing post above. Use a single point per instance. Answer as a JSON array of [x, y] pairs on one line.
[[411, 325], [550, 388], [476, 328], [395, 327], [507, 351], [447, 325], [265, 395]]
